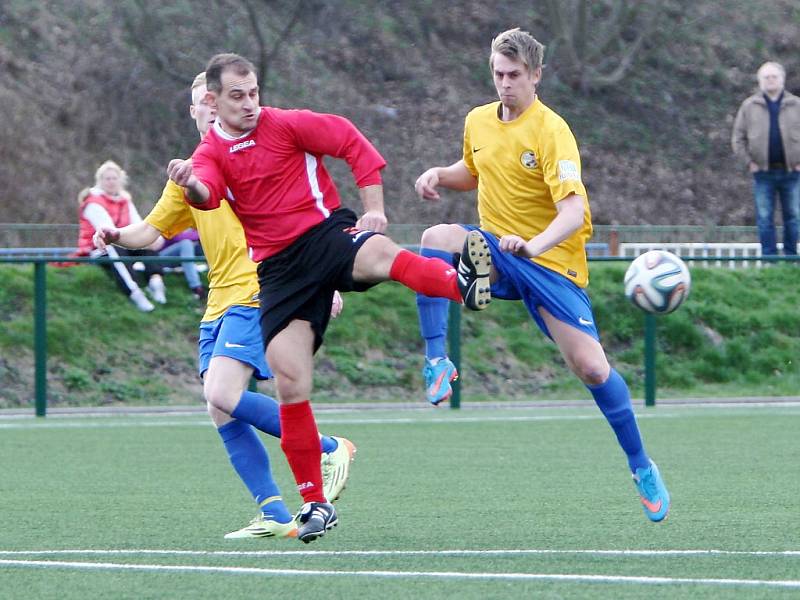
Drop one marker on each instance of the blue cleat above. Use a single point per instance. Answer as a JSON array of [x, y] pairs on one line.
[[653, 493], [438, 374]]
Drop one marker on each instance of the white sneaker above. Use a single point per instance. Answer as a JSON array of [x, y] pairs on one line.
[[140, 300], [157, 289]]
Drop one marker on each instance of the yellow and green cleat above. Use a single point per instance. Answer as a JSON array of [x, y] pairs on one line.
[[336, 468], [261, 527]]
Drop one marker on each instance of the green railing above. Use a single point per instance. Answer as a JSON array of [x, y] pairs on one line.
[[454, 330], [40, 307]]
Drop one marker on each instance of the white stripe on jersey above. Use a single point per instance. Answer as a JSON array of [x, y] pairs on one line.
[[311, 171]]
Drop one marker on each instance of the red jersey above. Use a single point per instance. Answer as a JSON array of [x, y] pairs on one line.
[[274, 176]]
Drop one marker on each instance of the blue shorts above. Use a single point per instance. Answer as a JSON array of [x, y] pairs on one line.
[[520, 278], [236, 334]]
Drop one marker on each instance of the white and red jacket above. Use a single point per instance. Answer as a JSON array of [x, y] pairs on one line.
[[274, 177], [99, 209]]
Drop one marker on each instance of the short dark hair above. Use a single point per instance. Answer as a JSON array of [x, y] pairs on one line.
[[225, 62]]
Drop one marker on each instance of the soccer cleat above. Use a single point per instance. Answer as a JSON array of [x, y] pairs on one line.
[[653, 493], [438, 375], [140, 300], [336, 468], [157, 289], [264, 528], [473, 270], [315, 518]]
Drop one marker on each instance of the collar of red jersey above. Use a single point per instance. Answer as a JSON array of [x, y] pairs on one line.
[[227, 136]]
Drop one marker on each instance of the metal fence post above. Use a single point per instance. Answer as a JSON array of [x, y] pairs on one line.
[[454, 343], [40, 335], [649, 359]]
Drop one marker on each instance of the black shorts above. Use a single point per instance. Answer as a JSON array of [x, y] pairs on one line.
[[299, 281]]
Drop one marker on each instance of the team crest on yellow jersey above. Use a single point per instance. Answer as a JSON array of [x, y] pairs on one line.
[[528, 159]]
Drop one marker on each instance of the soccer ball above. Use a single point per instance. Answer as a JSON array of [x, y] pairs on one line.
[[657, 282]]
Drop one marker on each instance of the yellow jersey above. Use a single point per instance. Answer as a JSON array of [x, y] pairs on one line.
[[232, 278], [524, 167]]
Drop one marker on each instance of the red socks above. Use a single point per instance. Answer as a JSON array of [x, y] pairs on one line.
[[428, 276], [300, 442]]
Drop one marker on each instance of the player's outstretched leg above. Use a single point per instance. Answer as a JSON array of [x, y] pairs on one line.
[[431, 276], [473, 272], [314, 519], [336, 467], [652, 492]]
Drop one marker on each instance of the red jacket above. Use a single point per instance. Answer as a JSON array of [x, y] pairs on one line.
[[118, 209]]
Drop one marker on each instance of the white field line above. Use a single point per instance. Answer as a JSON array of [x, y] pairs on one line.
[[193, 421], [570, 577], [349, 553]]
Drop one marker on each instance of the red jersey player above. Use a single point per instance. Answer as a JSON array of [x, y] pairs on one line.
[[268, 163]]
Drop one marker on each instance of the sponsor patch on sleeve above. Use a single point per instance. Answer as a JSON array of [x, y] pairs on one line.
[[568, 171]]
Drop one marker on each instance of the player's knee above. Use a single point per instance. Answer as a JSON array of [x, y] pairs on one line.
[[217, 416], [291, 384], [292, 390], [592, 371], [443, 237], [220, 398]]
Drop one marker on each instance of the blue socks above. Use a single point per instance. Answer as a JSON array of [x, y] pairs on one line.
[[250, 460], [614, 400], [262, 412], [433, 313]]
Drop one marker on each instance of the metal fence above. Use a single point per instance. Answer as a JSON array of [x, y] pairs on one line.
[[22, 235]]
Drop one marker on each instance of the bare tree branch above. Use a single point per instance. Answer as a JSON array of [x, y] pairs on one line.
[[143, 27], [287, 29], [593, 51], [261, 42]]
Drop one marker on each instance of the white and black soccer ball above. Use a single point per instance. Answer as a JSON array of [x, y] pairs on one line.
[[657, 282]]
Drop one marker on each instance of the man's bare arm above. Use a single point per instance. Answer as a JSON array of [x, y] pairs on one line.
[[568, 220], [374, 218], [138, 235], [455, 177]]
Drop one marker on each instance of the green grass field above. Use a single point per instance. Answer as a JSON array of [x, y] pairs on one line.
[[478, 503]]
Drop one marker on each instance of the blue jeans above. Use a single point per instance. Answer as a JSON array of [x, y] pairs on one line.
[[185, 249], [786, 184]]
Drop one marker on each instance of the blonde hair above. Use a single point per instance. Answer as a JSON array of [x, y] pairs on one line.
[[199, 79], [110, 164], [518, 45]]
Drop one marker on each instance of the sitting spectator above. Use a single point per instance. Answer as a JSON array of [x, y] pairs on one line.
[[183, 246], [108, 204]]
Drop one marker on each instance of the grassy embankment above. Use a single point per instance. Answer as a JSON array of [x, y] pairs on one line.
[[738, 334]]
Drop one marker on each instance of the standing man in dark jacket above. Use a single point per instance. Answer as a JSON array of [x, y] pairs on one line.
[[766, 137]]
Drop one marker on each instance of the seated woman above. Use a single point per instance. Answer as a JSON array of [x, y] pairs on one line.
[[108, 204]]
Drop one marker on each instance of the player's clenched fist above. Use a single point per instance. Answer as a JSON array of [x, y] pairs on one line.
[[180, 171], [104, 236], [516, 245], [372, 220]]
